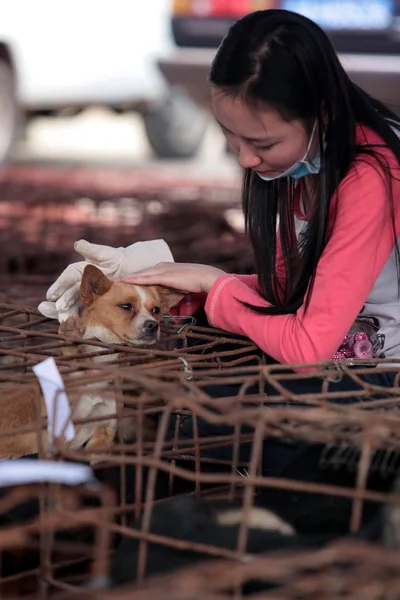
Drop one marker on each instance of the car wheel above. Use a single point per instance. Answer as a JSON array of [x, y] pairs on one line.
[[9, 113], [175, 127]]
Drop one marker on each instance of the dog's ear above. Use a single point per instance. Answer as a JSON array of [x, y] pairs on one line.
[[169, 297], [94, 284]]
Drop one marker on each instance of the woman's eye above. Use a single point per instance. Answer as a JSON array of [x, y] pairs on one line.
[[127, 307], [156, 310], [265, 147]]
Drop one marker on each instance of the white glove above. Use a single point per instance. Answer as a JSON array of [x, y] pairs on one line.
[[63, 297]]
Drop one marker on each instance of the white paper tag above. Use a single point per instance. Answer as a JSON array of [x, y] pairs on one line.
[[57, 405], [28, 470]]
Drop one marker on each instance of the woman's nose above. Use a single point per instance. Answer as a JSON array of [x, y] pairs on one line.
[[248, 159]]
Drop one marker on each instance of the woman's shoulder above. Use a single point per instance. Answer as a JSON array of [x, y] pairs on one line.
[[373, 157], [370, 191], [366, 135], [366, 182], [370, 144]]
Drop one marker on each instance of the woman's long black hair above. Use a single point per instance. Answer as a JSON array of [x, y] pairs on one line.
[[287, 61]]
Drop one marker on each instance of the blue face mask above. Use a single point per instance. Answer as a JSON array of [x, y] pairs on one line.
[[302, 167]]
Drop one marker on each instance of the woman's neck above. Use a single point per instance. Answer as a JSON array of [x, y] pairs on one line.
[[308, 187]]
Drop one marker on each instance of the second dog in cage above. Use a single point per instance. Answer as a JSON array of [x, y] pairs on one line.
[[281, 518], [114, 313], [192, 519], [217, 524]]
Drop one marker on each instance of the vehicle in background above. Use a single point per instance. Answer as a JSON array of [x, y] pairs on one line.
[[62, 57], [366, 34]]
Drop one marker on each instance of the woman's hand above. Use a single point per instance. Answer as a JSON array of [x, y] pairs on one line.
[[185, 277], [63, 298]]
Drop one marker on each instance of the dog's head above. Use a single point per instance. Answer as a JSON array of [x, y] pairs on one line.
[[123, 313]]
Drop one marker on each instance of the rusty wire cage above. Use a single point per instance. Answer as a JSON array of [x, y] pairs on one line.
[[51, 528], [131, 516], [343, 570], [358, 442], [43, 212]]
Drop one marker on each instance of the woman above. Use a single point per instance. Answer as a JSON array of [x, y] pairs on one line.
[[321, 199]]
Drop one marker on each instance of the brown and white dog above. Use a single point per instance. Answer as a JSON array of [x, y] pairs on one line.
[[114, 313]]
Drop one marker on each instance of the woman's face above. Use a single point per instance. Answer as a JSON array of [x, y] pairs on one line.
[[263, 141]]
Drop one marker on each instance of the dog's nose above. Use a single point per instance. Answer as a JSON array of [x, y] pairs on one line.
[[150, 326]]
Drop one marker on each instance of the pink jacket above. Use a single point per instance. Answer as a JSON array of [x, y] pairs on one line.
[[361, 242]]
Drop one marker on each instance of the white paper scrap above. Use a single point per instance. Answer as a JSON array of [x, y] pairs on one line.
[[28, 470], [58, 409]]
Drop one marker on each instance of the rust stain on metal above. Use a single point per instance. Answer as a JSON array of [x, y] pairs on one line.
[[172, 378]]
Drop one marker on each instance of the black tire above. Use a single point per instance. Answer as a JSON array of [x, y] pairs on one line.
[[9, 111], [175, 127]]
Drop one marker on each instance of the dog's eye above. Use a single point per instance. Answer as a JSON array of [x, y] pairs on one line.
[[126, 306], [156, 310]]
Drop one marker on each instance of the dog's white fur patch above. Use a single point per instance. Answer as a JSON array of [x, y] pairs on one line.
[[259, 518], [143, 295], [92, 406], [98, 332]]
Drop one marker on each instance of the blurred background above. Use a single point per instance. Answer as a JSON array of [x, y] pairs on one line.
[[106, 131]]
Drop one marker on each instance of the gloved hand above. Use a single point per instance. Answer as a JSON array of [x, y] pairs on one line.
[[63, 297]]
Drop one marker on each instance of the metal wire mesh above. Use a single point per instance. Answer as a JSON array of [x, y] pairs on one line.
[[181, 378], [26, 337], [49, 528], [185, 411], [342, 570]]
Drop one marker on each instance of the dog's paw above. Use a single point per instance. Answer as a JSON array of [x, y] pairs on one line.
[[131, 428], [72, 327], [94, 460]]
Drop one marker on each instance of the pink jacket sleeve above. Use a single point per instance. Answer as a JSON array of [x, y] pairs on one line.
[[360, 244], [250, 280], [191, 303]]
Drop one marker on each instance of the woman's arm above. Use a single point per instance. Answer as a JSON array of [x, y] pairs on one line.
[[358, 249], [250, 280]]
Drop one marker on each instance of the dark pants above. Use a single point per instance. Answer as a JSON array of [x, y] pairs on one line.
[[280, 458], [291, 459], [276, 453]]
